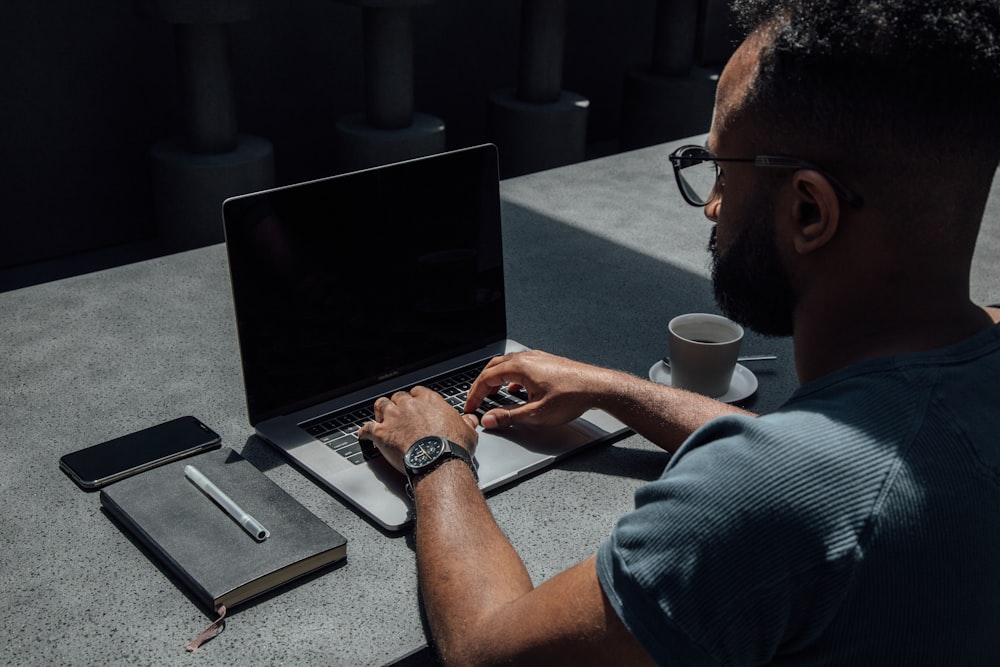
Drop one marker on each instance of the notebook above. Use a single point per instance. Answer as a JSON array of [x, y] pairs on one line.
[[355, 286], [204, 546]]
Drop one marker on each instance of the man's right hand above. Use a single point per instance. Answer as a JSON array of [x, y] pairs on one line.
[[559, 390]]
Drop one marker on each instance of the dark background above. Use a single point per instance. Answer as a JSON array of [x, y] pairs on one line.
[[88, 87]]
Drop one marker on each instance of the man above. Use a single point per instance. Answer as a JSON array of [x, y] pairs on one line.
[[860, 522]]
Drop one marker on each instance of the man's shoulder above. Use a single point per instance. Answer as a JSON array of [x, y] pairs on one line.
[[976, 355]]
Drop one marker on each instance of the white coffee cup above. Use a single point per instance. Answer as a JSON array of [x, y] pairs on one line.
[[703, 352]]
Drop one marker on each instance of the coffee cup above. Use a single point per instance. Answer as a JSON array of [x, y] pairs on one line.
[[703, 352]]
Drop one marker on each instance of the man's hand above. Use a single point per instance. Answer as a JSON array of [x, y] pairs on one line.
[[559, 390], [410, 415]]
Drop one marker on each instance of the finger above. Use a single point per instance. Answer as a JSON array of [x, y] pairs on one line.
[[367, 432], [491, 421], [429, 395], [380, 405], [471, 420], [499, 418], [488, 382], [499, 359], [420, 390]]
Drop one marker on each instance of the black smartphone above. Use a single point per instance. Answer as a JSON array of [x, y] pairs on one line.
[[116, 459]]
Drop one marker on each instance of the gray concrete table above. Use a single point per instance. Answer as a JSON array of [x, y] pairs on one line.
[[600, 256]]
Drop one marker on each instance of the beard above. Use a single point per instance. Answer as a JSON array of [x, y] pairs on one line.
[[751, 285]]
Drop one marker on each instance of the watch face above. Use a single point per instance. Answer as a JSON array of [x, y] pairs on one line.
[[424, 452]]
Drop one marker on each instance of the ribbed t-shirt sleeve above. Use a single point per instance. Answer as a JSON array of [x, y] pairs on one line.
[[642, 616], [733, 553]]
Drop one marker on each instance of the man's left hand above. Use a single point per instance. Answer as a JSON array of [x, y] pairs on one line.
[[407, 416]]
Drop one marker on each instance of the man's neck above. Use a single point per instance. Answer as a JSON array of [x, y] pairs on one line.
[[837, 337]]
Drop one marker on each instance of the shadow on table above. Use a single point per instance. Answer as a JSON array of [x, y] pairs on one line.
[[262, 455], [581, 295]]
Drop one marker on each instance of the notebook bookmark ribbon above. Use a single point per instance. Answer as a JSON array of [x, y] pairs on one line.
[[217, 626]]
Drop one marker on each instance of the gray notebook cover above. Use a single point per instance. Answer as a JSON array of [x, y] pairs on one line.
[[204, 546]]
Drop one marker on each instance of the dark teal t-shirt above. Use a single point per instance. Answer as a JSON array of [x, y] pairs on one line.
[[858, 524]]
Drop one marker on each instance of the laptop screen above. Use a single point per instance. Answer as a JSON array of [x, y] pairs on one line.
[[343, 282]]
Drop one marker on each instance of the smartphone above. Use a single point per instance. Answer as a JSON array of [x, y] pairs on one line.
[[116, 459]]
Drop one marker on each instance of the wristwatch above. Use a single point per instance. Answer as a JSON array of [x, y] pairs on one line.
[[428, 453]]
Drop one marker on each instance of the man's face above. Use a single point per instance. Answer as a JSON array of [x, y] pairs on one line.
[[752, 285]]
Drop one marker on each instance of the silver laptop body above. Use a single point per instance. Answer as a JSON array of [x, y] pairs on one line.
[[353, 287]]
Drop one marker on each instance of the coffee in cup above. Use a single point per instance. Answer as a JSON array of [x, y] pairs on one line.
[[703, 352]]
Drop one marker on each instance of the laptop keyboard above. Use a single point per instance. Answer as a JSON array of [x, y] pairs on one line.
[[339, 430]]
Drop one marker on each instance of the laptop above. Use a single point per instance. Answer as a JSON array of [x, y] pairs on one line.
[[352, 287]]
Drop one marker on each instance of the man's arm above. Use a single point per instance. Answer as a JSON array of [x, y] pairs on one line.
[[559, 390], [481, 605], [480, 602]]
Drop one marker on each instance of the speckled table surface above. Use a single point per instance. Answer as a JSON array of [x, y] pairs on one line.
[[600, 255]]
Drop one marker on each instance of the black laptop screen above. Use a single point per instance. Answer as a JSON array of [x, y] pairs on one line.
[[342, 282]]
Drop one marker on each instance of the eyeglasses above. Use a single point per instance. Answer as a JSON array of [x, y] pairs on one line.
[[697, 173]]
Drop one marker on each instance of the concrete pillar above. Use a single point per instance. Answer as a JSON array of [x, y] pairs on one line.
[[538, 125], [673, 97], [389, 130], [210, 161], [207, 94]]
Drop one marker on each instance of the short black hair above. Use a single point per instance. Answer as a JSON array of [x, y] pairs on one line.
[[872, 76]]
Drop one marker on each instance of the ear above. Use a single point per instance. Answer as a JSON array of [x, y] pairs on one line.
[[815, 210]]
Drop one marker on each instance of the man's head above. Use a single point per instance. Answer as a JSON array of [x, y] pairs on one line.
[[898, 99], [864, 79]]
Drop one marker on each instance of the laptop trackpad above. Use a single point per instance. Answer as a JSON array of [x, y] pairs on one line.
[[506, 454]]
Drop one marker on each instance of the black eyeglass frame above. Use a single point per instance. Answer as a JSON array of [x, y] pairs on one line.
[[771, 161]]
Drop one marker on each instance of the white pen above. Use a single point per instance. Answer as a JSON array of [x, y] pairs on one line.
[[250, 524]]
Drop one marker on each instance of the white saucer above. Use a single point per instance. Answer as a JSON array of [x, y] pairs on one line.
[[744, 382]]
